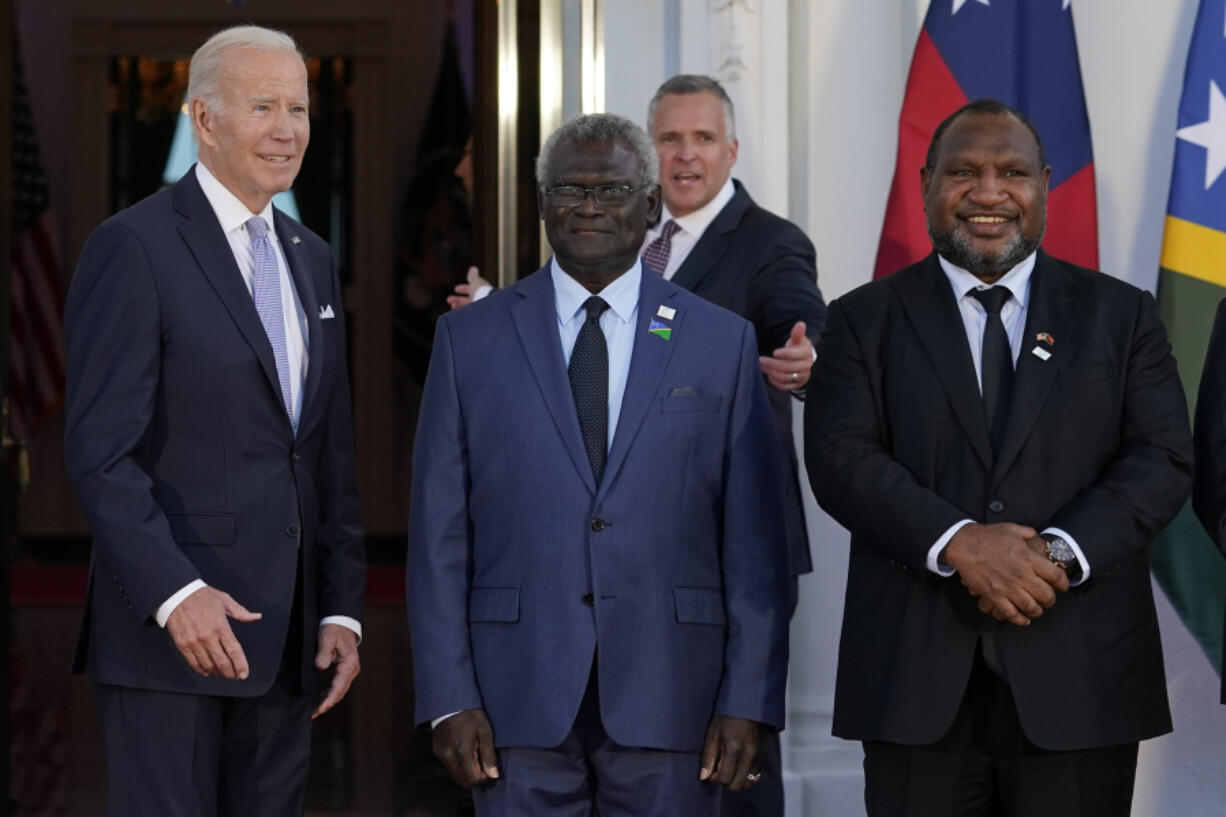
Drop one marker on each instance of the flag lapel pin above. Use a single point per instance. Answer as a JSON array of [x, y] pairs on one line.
[[1043, 337], [660, 329]]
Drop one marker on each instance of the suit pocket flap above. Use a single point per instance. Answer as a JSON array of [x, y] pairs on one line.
[[202, 528], [699, 605], [694, 402], [493, 604]]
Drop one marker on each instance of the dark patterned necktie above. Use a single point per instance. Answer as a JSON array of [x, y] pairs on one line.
[[657, 252], [589, 383], [996, 363]]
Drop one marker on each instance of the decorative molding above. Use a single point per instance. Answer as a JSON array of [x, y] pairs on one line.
[[731, 59]]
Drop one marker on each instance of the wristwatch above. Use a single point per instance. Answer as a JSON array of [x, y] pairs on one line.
[[1060, 553]]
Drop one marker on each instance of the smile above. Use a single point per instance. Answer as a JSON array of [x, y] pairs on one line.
[[987, 219], [276, 159]]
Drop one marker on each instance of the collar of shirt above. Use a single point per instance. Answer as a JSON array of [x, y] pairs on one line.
[[697, 222], [1017, 280], [231, 213], [622, 294]]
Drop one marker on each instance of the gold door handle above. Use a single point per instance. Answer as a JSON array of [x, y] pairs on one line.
[[16, 452]]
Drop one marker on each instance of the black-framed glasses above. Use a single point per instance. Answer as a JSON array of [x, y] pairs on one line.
[[572, 195]]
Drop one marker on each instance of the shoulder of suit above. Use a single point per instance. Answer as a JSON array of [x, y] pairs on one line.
[[1102, 282]]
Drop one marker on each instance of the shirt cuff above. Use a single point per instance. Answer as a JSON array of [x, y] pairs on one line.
[[439, 720], [482, 291], [346, 622], [168, 606], [933, 552], [1081, 557]]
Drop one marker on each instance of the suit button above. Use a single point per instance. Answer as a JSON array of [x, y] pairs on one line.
[[292, 530], [598, 524], [589, 599], [996, 506], [295, 458]]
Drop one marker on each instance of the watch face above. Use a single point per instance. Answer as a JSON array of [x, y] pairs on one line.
[[1058, 550]]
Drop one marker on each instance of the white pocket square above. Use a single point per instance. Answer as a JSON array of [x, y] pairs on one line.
[[325, 312]]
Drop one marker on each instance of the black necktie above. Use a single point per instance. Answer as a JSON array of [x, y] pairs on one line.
[[589, 383], [996, 363]]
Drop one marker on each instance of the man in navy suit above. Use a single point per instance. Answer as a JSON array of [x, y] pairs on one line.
[[208, 437], [597, 569], [722, 246]]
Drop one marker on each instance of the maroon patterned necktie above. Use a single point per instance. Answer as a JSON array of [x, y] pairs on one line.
[[657, 252]]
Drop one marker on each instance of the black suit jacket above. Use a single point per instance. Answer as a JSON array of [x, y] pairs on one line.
[[763, 268], [1209, 490], [1097, 444], [182, 455]]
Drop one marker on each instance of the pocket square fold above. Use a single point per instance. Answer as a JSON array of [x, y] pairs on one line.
[[325, 312], [683, 391]]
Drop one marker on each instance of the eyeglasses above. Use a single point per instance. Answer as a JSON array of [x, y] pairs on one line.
[[572, 195]]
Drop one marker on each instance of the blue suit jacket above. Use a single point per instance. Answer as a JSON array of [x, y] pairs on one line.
[[181, 453], [681, 546]]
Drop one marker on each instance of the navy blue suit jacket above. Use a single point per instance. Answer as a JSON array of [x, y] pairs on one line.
[[181, 453], [764, 268], [681, 547]]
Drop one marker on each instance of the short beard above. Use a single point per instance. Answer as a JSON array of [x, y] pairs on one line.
[[957, 249]]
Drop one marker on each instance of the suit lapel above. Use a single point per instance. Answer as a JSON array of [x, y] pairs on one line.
[[203, 236], [300, 271], [930, 306], [536, 322], [710, 246], [1053, 306], [647, 364]]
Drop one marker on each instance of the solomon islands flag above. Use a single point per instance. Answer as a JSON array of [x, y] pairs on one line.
[[1191, 282], [1023, 53]]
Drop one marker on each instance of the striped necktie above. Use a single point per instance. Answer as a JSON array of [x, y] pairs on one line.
[[266, 292]]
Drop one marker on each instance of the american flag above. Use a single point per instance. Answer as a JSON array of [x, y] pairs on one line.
[[36, 375]]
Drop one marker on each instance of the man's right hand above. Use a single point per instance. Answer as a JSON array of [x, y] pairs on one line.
[[465, 744], [201, 630], [464, 292], [1000, 565]]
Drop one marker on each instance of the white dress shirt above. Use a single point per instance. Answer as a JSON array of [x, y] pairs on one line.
[[974, 320], [233, 215]]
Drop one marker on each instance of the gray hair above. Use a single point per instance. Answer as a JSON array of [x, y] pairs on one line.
[[693, 84], [204, 75], [600, 127]]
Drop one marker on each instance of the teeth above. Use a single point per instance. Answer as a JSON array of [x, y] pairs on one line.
[[274, 158], [987, 219]]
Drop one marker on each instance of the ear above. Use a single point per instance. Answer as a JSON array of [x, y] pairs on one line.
[[1046, 178], [653, 204], [203, 122], [540, 203], [733, 146], [925, 183]]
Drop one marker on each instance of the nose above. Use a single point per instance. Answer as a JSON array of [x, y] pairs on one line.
[[989, 187], [282, 128], [589, 206]]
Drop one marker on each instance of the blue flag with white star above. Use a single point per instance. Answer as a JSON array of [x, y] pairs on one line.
[[1191, 283]]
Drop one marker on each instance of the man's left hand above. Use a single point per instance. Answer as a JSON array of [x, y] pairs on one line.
[[338, 646], [788, 367], [730, 753]]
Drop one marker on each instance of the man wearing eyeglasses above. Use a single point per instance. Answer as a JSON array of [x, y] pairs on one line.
[[597, 564]]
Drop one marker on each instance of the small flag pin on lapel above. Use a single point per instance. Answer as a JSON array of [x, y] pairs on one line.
[[660, 329], [1043, 337], [1040, 353], [295, 240], [666, 312]]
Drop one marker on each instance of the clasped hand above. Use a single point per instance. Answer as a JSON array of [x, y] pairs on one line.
[[1005, 566]]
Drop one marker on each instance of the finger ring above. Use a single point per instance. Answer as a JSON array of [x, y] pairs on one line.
[[753, 777], [795, 375]]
